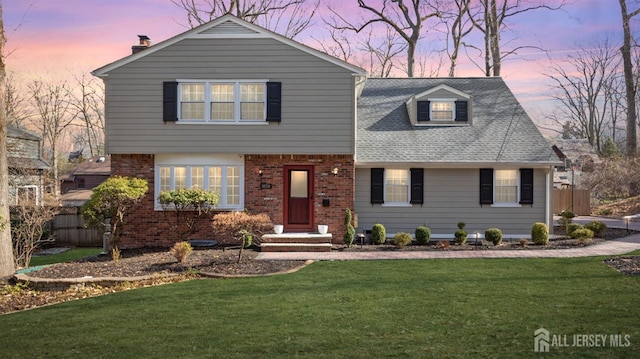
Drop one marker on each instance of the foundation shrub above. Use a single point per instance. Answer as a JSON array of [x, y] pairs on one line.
[[378, 234], [402, 239], [540, 233], [493, 235], [423, 234]]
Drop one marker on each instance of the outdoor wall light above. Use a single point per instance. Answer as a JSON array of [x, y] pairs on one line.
[[260, 173], [335, 171]]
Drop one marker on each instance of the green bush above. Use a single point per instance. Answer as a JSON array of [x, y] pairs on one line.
[[378, 234], [596, 227], [493, 235], [582, 233], [402, 239], [565, 219], [540, 233], [350, 232], [572, 227], [423, 234], [460, 235]]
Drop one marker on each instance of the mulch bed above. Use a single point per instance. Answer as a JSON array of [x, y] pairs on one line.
[[163, 268]]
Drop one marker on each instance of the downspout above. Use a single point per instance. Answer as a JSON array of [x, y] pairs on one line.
[[547, 207]]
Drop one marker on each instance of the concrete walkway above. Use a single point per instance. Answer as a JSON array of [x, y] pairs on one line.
[[615, 247]]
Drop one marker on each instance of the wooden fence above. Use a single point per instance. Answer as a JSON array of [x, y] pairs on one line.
[[68, 230], [577, 201]]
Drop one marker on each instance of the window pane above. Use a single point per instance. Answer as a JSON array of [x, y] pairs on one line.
[[222, 93], [215, 180], [165, 179], [252, 111], [192, 111], [506, 186], [299, 184], [252, 92], [192, 92], [441, 111], [222, 111], [233, 185], [396, 185], [180, 177], [197, 177]]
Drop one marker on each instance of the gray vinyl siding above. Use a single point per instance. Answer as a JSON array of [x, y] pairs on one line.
[[317, 100], [450, 196]]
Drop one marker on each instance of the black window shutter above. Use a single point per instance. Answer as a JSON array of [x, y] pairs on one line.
[[526, 186], [462, 111], [424, 109], [486, 186], [274, 101], [377, 185], [417, 186], [169, 101]]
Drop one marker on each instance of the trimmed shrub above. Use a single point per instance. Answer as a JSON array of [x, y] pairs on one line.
[[566, 217], [423, 234], [402, 239], [460, 235], [350, 232], [582, 233], [572, 227], [596, 227], [540, 233], [378, 234], [493, 235], [181, 251]]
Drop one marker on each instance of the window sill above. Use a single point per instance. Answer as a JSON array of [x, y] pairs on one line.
[[239, 123], [443, 123], [396, 205], [506, 205]]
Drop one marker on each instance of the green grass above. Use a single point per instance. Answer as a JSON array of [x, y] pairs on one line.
[[474, 308], [70, 255]]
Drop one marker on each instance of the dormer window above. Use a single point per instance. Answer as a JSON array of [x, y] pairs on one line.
[[441, 105]]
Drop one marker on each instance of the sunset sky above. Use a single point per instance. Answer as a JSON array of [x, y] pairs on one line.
[[70, 36]]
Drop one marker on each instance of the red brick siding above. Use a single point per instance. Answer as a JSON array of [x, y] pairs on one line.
[[339, 189], [147, 227]]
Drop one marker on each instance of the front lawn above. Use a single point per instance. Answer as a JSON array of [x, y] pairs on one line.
[[68, 256], [360, 309]]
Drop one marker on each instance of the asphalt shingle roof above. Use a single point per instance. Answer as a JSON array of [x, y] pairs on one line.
[[501, 131]]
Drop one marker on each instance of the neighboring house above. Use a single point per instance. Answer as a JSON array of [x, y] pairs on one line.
[[270, 125], [77, 184], [26, 167], [577, 156]]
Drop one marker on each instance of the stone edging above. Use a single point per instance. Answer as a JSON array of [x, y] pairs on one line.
[[65, 283]]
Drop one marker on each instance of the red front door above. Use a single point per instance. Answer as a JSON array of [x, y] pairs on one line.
[[298, 198]]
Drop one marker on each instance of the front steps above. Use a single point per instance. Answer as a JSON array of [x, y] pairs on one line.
[[296, 242]]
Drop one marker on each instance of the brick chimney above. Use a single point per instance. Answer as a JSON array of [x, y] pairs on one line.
[[145, 42]]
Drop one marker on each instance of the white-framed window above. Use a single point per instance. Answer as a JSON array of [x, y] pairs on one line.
[[506, 186], [28, 195], [442, 110], [222, 174], [222, 101], [396, 186]]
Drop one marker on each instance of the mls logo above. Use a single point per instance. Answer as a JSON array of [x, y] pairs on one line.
[[541, 341]]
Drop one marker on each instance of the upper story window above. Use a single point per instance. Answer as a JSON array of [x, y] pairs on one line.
[[441, 105], [212, 101]]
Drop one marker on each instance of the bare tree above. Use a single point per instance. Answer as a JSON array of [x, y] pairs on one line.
[[7, 265], [407, 20], [490, 16], [88, 106], [632, 139], [582, 85], [16, 103], [54, 117], [458, 25], [382, 53], [286, 17]]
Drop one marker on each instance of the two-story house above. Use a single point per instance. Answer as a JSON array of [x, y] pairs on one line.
[[26, 167], [274, 126]]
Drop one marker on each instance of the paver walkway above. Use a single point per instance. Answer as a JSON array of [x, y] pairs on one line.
[[614, 247]]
